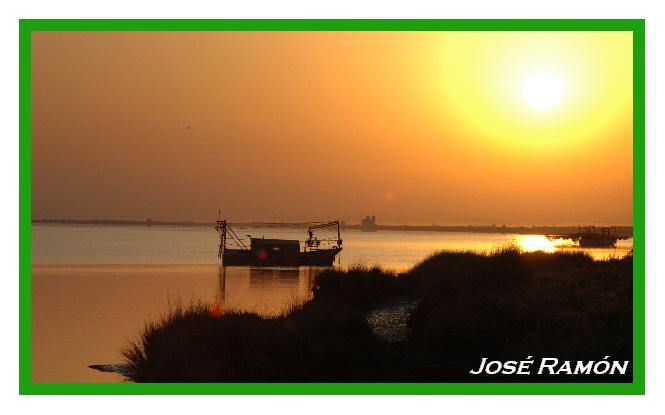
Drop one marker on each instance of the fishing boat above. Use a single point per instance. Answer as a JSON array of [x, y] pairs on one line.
[[594, 237], [278, 252]]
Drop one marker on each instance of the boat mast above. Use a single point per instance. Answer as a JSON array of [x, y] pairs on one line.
[[221, 227], [339, 238]]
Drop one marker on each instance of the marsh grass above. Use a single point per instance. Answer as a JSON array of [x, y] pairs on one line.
[[313, 340], [505, 304], [509, 305]]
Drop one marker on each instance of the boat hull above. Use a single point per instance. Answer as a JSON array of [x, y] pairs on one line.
[[266, 258], [595, 242]]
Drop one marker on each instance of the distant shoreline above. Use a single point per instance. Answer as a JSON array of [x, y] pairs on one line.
[[625, 230]]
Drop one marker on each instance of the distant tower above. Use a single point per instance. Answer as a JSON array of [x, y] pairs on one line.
[[368, 224]]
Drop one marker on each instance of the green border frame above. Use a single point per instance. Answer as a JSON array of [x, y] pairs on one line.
[[26, 27]]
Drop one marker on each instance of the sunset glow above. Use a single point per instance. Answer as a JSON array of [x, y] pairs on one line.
[[291, 202], [413, 127]]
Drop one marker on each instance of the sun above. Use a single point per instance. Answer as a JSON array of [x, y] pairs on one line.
[[542, 91]]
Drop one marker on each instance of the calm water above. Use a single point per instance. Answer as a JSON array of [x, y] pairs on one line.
[[93, 287]]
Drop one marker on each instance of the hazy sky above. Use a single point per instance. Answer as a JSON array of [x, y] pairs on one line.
[[413, 127]]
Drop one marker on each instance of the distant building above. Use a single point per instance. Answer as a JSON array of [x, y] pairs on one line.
[[368, 224]]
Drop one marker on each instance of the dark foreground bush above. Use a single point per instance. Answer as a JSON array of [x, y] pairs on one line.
[[319, 341], [511, 305], [360, 286], [504, 306]]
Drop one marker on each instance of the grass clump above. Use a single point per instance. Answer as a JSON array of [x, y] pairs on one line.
[[360, 286], [315, 341]]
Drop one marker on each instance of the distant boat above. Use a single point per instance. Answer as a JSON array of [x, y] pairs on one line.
[[588, 237], [278, 252], [593, 237]]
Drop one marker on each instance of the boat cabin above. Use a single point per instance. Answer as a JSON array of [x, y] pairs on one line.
[[274, 250]]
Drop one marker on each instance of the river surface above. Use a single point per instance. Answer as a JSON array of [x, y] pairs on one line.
[[93, 286]]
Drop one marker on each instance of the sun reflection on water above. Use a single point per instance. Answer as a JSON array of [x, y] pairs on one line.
[[531, 243]]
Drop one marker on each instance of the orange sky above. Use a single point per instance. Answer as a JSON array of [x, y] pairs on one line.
[[413, 127]]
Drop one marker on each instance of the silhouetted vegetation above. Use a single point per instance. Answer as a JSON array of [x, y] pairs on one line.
[[359, 286], [317, 341], [511, 305], [507, 305]]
